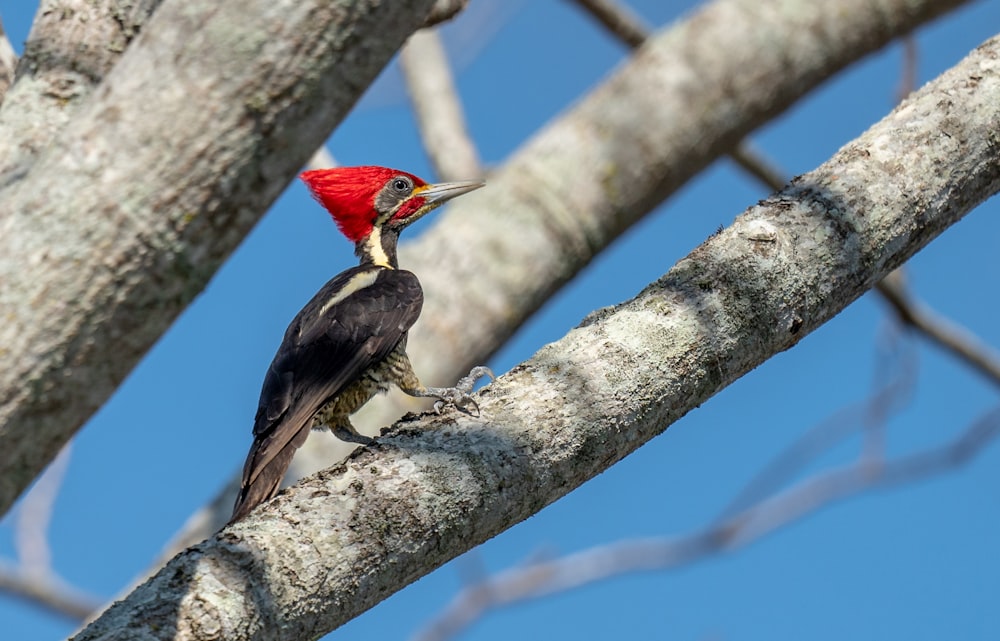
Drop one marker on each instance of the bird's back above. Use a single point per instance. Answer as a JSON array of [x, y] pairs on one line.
[[352, 324]]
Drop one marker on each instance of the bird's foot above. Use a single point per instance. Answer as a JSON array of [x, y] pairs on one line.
[[461, 395], [351, 436]]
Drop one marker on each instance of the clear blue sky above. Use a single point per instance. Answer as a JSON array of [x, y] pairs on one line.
[[916, 563]]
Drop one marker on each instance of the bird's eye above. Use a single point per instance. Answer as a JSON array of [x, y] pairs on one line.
[[402, 185]]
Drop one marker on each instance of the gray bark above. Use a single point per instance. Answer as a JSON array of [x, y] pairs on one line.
[[123, 219], [338, 543], [494, 257], [682, 101], [72, 46]]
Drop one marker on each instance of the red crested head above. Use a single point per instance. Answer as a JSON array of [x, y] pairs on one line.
[[350, 195]]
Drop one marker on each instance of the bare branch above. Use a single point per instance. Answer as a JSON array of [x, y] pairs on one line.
[[820, 438], [321, 159], [47, 591], [489, 262], [940, 330], [753, 161], [623, 557], [908, 74], [33, 517], [169, 203], [438, 109], [336, 544], [444, 10], [618, 19]]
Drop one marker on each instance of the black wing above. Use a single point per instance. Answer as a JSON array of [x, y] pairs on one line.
[[351, 324]]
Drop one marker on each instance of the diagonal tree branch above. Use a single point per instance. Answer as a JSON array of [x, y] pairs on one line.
[[335, 545], [622, 557], [682, 101], [124, 215]]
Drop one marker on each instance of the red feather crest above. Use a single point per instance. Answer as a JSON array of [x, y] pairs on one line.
[[348, 193]]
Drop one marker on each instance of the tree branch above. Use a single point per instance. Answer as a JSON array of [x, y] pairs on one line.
[[73, 44], [48, 591], [682, 101], [940, 330], [438, 109], [427, 491], [124, 215], [604, 562]]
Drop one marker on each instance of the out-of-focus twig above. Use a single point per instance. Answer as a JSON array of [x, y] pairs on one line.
[[444, 10], [599, 563], [32, 524], [321, 159], [753, 161], [437, 107], [618, 19], [863, 416], [940, 330], [47, 591], [908, 74], [32, 578]]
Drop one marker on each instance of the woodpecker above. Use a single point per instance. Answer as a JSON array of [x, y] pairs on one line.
[[349, 342]]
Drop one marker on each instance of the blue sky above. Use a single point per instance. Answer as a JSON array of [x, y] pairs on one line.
[[919, 562]]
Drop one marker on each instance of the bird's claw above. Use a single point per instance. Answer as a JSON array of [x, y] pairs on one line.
[[461, 395]]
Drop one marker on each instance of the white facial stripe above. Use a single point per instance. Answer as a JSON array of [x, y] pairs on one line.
[[360, 281], [373, 247]]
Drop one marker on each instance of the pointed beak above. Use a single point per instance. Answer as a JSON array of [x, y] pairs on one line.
[[435, 195]]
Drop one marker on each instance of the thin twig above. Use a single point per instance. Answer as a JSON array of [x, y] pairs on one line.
[[444, 10], [321, 159], [619, 20], [940, 330], [437, 107], [908, 74], [31, 529], [843, 423], [600, 563], [49, 592]]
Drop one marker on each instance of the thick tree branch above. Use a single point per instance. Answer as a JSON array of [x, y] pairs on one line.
[[336, 544], [123, 220], [72, 46], [682, 101]]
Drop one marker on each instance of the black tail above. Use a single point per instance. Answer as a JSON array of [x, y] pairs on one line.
[[263, 473]]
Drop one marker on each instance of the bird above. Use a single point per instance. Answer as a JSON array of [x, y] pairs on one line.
[[349, 341]]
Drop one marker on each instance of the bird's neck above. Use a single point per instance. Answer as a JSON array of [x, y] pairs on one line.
[[378, 248]]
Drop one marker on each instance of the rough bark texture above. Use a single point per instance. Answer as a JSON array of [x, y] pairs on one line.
[[8, 61], [72, 46], [681, 102], [122, 220], [343, 540]]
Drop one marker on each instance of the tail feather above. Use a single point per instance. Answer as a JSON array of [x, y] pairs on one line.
[[262, 478]]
